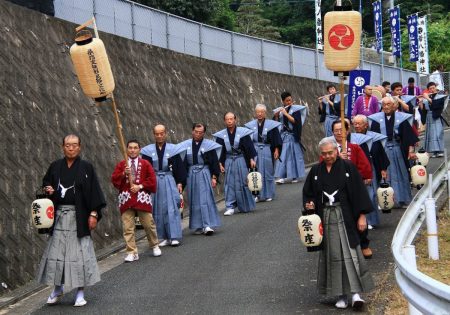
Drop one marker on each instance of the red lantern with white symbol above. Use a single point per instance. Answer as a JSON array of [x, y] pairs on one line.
[[342, 38]]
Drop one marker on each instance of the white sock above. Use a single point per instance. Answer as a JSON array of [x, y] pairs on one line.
[[80, 295]]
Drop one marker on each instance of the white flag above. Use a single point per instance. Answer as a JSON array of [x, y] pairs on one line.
[[423, 62], [319, 34]]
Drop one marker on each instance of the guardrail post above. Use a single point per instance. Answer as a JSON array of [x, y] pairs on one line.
[[409, 253], [448, 179], [430, 211]]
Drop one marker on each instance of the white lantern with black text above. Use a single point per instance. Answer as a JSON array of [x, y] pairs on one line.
[[385, 196], [310, 229], [42, 213], [254, 181]]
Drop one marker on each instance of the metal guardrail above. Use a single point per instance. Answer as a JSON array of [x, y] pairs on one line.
[[147, 25], [428, 295]]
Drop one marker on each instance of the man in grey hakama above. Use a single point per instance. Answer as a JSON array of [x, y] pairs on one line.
[[166, 159], [202, 162], [267, 140], [401, 140], [69, 259], [433, 103], [290, 165], [334, 190], [238, 153]]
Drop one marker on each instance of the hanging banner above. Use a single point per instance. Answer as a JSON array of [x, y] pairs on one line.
[[394, 21], [423, 63], [358, 80], [319, 34], [412, 36], [378, 20]]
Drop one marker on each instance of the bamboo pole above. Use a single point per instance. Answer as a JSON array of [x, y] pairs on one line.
[[120, 135], [344, 131]]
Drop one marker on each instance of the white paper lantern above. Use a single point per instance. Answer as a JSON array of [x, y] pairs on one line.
[[311, 230], [418, 175], [254, 181], [385, 196], [423, 158], [42, 213]]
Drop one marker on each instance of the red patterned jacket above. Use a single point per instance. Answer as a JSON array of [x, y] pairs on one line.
[[145, 176]]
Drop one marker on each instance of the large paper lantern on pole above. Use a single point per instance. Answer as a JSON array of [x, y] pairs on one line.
[[92, 66], [93, 69], [342, 36]]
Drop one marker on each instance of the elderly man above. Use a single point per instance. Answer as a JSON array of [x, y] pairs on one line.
[[171, 178], [291, 165], [202, 160], [401, 139], [335, 191], [366, 104], [267, 140], [238, 154], [434, 133], [135, 180], [379, 162], [69, 258], [356, 154]]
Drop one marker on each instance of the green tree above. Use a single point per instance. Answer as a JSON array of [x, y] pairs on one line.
[[249, 20]]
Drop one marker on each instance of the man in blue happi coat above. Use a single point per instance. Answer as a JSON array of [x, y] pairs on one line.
[[267, 140], [329, 107], [166, 159], [238, 154], [433, 105], [401, 139], [202, 162], [290, 166]]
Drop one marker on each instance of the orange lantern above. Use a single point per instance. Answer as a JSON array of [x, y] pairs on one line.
[[342, 38], [92, 66]]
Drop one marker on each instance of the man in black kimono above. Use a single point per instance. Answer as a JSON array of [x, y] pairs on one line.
[[334, 190], [69, 258]]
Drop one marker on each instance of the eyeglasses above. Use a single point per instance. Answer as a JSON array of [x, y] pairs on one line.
[[71, 145]]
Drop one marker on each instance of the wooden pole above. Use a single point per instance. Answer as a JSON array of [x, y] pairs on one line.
[[120, 135], [344, 131]]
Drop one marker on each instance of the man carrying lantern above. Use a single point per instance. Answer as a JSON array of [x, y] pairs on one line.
[[335, 191], [238, 154], [291, 165], [171, 174], [136, 181], [401, 139], [69, 259], [267, 140]]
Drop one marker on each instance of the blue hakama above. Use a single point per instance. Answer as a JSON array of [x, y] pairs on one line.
[[434, 134], [237, 148], [202, 160]]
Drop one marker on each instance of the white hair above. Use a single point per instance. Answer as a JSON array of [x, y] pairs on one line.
[[389, 98], [261, 106], [362, 117], [328, 140]]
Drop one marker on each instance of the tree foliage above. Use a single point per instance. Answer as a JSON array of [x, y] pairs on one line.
[[293, 21]]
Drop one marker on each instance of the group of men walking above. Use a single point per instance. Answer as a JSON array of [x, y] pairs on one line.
[[150, 184]]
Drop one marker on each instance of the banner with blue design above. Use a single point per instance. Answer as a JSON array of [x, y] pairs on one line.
[[358, 80], [378, 21], [413, 39], [394, 21]]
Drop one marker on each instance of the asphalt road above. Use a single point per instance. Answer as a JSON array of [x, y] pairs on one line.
[[253, 264]]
